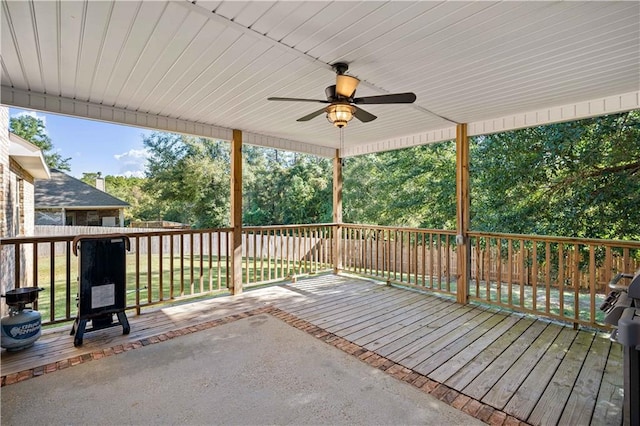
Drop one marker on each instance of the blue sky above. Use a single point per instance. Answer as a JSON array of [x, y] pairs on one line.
[[95, 146]]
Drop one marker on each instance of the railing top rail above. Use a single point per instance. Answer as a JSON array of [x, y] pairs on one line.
[[303, 225], [553, 239], [64, 238], [400, 228]]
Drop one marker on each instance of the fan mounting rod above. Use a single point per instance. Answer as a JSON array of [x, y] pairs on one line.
[[340, 68]]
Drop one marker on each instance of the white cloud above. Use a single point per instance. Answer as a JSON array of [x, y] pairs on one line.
[[132, 162], [133, 155], [138, 174]]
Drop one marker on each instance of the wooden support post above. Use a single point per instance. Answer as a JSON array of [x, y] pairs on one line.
[[463, 205], [337, 212], [236, 213]]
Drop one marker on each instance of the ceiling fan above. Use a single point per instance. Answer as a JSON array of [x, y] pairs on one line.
[[342, 101]]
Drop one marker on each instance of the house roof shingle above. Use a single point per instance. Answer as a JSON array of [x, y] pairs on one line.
[[66, 191]]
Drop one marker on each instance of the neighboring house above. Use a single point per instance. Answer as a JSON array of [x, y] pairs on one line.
[[65, 200], [21, 163]]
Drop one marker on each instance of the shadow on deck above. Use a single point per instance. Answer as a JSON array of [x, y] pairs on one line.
[[496, 365]]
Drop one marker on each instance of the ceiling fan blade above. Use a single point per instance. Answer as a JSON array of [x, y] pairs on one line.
[[298, 100], [394, 98], [346, 85], [363, 115], [312, 115]]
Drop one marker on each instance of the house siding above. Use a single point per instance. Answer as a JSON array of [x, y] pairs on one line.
[[16, 213]]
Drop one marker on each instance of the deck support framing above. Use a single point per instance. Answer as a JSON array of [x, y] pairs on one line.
[[236, 213], [463, 205]]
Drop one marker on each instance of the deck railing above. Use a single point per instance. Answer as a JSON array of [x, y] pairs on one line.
[[169, 265], [560, 278], [422, 258], [272, 253]]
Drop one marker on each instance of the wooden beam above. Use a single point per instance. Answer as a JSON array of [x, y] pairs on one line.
[[463, 205], [337, 212], [236, 213]]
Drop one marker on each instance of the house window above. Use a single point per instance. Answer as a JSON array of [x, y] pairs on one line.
[[70, 219]]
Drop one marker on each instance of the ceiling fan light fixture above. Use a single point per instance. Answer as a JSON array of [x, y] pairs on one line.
[[340, 114]]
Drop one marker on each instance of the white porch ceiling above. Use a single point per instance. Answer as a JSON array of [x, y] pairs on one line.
[[206, 67]]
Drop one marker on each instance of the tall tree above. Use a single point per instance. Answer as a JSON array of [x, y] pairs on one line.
[[580, 178], [409, 187], [189, 179], [142, 205], [33, 130]]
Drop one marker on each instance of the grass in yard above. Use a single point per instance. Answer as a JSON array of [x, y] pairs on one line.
[[158, 279]]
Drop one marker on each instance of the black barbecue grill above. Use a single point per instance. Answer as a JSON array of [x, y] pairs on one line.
[[102, 283], [622, 308]]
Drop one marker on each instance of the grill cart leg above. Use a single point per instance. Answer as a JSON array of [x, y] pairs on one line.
[[78, 328], [122, 317]]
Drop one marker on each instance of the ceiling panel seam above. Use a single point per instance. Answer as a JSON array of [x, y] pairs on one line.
[[280, 45], [15, 43]]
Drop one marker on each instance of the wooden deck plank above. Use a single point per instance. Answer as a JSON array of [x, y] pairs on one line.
[[320, 304], [436, 320], [405, 326], [549, 408], [526, 397], [461, 359], [475, 366], [405, 354], [491, 373], [503, 390], [447, 337], [381, 322], [582, 399], [357, 318], [359, 313], [445, 354], [608, 410], [325, 309]]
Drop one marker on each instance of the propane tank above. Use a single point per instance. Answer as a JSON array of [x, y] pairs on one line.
[[20, 329]]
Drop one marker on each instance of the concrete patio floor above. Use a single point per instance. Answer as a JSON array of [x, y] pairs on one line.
[[256, 370]]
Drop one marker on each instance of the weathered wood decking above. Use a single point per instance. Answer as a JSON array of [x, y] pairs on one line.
[[537, 371]]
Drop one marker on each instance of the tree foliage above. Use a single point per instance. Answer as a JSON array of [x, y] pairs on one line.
[[129, 189], [579, 179], [33, 130], [409, 187], [188, 179], [285, 188]]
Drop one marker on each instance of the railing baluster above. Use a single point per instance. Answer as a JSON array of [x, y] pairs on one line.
[[261, 256], [171, 268], [448, 262], [160, 268], [52, 280], [592, 283], [181, 241], [534, 275], [547, 277], [149, 271], [137, 275], [191, 268], [219, 260], [210, 258], [576, 284], [561, 277], [201, 254], [68, 280]]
